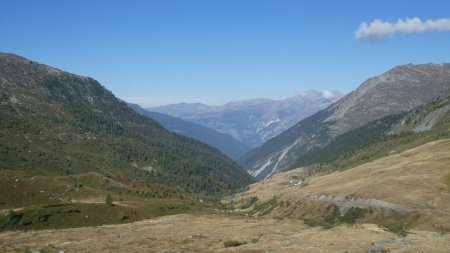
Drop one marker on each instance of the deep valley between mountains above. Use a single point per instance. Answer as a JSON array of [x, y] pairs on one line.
[[84, 171]]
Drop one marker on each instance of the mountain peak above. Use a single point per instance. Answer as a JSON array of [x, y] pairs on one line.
[[14, 57], [253, 121], [399, 89]]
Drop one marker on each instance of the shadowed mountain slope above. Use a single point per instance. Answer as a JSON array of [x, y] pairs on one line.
[[224, 142], [55, 123]]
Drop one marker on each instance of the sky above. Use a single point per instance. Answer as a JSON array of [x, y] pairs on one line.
[[215, 51]]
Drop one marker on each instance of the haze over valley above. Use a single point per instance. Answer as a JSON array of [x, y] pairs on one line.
[[253, 121]]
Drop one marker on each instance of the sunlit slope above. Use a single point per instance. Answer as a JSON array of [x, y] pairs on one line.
[[414, 183], [416, 178]]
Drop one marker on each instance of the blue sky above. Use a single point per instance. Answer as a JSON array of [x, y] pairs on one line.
[[214, 51]]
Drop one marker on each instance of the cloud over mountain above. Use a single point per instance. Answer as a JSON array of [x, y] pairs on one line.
[[379, 30]]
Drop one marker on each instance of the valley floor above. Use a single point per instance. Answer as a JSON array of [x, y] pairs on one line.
[[208, 233]]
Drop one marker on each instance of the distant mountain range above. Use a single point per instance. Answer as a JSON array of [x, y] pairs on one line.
[[224, 142], [398, 90], [57, 123], [254, 121]]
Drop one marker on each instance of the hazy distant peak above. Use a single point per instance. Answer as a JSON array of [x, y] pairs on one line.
[[254, 121], [184, 106], [248, 102]]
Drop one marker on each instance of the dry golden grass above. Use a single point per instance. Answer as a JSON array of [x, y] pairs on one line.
[[188, 233], [415, 179]]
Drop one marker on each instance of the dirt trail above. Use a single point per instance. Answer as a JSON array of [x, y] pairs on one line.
[[345, 203], [98, 201], [400, 244]]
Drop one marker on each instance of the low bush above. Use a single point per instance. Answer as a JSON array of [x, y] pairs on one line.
[[233, 243]]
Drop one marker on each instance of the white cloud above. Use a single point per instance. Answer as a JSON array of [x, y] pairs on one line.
[[327, 94], [379, 30]]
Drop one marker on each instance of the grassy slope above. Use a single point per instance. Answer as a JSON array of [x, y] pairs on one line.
[[415, 178], [32, 202]]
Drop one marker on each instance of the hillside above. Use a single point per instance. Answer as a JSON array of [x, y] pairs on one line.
[[398, 203], [405, 190], [398, 90], [423, 124], [57, 123], [224, 142], [253, 121]]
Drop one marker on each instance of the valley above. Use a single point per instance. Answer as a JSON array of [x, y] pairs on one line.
[[253, 121], [225, 126], [290, 212], [224, 142], [83, 171]]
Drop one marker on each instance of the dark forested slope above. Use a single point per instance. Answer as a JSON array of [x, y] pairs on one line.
[[224, 142], [54, 122]]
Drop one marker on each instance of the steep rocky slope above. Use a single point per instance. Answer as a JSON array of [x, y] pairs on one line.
[[400, 89], [401, 131]]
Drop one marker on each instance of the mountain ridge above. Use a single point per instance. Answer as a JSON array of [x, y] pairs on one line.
[[399, 89], [57, 123], [256, 120]]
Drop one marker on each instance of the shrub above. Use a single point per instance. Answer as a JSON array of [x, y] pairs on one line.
[[233, 243], [249, 203], [14, 217], [311, 222], [353, 214], [109, 200], [266, 207], [397, 230]]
